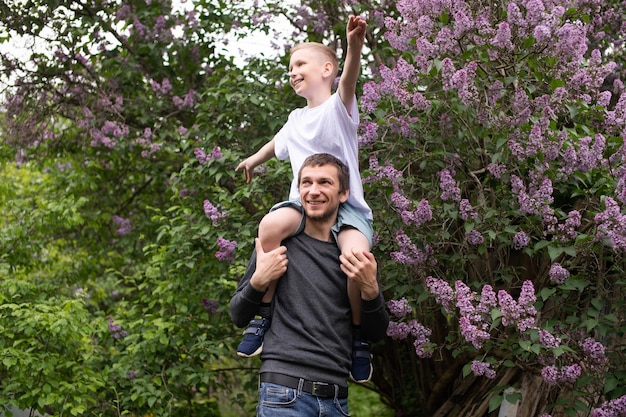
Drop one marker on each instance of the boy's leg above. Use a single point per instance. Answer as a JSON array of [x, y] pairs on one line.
[[275, 227], [361, 370]]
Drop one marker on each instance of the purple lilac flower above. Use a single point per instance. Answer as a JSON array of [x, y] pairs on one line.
[[124, 226], [496, 169], [443, 292], [213, 212], [474, 238], [613, 408], [422, 344], [466, 209], [548, 340], [227, 250], [422, 214], [483, 369], [487, 300], [520, 240], [210, 305], [521, 313], [568, 373], [116, 330], [567, 231], [472, 333], [612, 224], [449, 188], [594, 352], [558, 274], [550, 374], [398, 330], [399, 308], [400, 201], [409, 254]]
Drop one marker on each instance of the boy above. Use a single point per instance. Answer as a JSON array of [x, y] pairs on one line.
[[327, 124]]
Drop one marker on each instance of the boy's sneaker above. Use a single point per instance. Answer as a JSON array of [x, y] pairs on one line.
[[252, 343], [361, 370]]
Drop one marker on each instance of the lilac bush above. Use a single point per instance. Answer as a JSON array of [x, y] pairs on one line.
[[508, 120]]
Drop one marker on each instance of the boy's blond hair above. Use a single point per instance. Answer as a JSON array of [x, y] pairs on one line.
[[322, 49]]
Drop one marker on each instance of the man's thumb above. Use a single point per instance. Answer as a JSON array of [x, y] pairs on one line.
[[258, 246]]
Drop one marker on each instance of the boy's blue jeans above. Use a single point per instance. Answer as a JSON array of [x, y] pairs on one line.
[[280, 401]]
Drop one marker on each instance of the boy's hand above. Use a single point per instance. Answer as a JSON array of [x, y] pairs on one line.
[[248, 169], [355, 31]]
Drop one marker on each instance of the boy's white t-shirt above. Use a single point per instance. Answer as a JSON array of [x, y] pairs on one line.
[[327, 128]]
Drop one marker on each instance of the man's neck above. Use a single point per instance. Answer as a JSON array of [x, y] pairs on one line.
[[319, 230]]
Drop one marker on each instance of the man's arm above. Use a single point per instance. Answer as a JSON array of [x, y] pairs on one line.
[[263, 268], [261, 156], [355, 31]]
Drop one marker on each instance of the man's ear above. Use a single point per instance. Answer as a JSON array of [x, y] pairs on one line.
[[343, 197]]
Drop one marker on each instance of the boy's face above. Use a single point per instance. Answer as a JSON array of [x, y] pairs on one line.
[[320, 192], [308, 71]]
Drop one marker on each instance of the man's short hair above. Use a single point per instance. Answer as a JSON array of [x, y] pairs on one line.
[[328, 53], [319, 159]]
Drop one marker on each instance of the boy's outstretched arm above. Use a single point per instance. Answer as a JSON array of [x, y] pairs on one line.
[[262, 155], [355, 31]]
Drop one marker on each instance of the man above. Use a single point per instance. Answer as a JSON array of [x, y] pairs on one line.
[[307, 350]]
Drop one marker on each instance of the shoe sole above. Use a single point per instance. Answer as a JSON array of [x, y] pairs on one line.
[[255, 353]]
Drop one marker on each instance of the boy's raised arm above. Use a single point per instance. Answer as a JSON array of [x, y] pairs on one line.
[[262, 155], [355, 33]]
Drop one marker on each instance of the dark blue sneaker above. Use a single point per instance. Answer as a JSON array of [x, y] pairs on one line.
[[361, 370], [252, 343]]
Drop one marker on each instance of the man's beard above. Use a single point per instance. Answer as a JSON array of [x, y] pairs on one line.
[[322, 216]]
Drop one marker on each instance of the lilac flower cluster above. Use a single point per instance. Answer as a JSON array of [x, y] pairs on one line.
[[548, 340], [613, 408], [594, 353], [588, 156], [116, 330], [568, 373], [409, 254], [210, 305], [422, 214], [521, 313], [520, 240], [383, 174], [226, 253], [450, 189], [474, 321], [443, 292], [123, 225], [423, 347], [186, 102], [202, 156], [213, 212], [558, 274], [612, 225], [567, 231], [399, 308], [474, 237], [538, 195], [108, 134], [483, 369], [422, 344], [467, 211]]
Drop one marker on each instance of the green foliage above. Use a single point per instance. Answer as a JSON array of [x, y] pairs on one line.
[[114, 281]]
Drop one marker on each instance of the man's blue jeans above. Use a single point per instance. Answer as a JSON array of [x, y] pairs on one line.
[[279, 401]]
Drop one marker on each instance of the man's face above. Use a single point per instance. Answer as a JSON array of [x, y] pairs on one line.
[[319, 192]]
